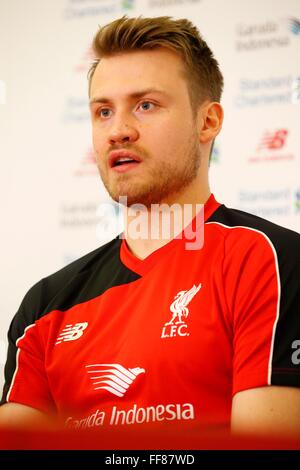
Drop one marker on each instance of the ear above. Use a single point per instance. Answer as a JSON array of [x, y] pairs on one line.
[[210, 121]]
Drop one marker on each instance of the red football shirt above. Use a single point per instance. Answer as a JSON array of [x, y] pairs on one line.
[[113, 340]]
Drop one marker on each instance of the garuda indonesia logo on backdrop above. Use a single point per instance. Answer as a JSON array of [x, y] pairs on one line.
[[294, 26], [127, 4], [215, 155], [297, 201], [296, 90]]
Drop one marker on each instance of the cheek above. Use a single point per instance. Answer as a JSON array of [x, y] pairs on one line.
[[176, 127], [97, 140], [161, 132], [98, 152]]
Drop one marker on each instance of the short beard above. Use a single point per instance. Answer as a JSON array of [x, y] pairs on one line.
[[165, 181]]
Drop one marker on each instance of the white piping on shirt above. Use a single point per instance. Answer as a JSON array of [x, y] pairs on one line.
[[17, 362], [278, 287]]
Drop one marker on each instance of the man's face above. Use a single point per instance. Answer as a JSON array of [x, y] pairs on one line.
[[141, 112]]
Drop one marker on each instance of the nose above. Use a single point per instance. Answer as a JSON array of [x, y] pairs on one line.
[[122, 131]]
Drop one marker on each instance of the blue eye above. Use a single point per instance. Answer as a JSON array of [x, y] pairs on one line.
[[104, 112], [146, 105]]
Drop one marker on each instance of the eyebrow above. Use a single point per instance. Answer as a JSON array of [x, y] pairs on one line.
[[136, 94]]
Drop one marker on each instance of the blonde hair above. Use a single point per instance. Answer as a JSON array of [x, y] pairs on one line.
[[204, 78]]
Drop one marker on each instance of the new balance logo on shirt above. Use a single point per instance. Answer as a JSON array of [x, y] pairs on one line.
[[72, 332]]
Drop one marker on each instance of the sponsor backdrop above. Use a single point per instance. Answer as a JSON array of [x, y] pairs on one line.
[[53, 205]]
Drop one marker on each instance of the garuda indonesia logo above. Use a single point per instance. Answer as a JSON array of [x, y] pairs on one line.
[[294, 25], [297, 202], [127, 4], [177, 325], [114, 378]]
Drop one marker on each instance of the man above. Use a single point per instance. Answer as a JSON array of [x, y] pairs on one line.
[[148, 330]]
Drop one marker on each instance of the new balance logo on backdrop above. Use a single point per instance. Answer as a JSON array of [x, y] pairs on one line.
[[177, 325], [273, 147], [113, 377], [273, 140], [71, 332]]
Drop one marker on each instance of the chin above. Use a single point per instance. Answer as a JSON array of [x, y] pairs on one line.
[[131, 199]]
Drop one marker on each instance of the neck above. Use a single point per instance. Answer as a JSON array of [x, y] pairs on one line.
[[149, 229]]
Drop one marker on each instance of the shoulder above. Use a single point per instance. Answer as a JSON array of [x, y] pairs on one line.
[[242, 226], [262, 283], [55, 290]]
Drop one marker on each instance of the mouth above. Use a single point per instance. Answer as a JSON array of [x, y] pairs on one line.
[[123, 160]]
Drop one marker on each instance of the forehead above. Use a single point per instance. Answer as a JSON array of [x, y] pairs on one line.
[[123, 72]]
